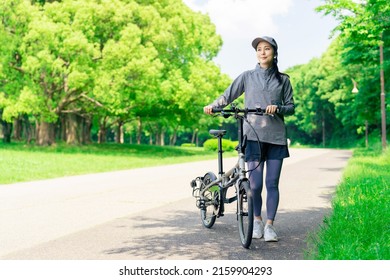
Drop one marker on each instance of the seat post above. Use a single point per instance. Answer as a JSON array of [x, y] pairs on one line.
[[219, 134], [220, 152]]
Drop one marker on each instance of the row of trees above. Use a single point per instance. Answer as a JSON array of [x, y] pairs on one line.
[[71, 69], [74, 68], [328, 112]]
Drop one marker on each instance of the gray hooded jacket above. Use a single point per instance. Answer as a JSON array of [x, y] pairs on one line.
[[262, 88]]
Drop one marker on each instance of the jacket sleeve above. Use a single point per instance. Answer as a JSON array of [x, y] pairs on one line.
[[287, 107], [235, 90]]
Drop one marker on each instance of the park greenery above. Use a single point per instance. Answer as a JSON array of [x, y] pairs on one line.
[[32, 162], [140, 72], [71, 70], [358, 226], [328, 112]]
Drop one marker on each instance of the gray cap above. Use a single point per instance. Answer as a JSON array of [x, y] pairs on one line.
[[267, 39]]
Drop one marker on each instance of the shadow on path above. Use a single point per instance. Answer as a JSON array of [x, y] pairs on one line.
[[182, 236]]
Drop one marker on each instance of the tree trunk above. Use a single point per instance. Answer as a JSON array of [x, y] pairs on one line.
[[157, 137], [7, 131], [139, 134], [18, 129], [194, 136], [119, 138], [173, 138], [27, 129], [72, 131], [6, 128], [162, 140], [45, 134], [323, 130], [86, 130], [62, 129], [102, 134]]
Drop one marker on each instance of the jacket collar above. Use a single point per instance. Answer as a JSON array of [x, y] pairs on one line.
[[265, 72]]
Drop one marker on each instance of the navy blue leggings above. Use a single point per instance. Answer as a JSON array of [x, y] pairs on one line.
[[273, 169]]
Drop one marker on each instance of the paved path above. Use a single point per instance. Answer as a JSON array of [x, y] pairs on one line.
[[149, 213]]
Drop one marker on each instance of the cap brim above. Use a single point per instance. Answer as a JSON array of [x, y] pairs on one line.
[[256, 41]]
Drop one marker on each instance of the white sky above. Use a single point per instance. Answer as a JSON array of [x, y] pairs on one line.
[[301, 32]]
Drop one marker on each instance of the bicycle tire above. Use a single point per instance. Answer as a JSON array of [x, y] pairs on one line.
[[245, 214], [208, 213]]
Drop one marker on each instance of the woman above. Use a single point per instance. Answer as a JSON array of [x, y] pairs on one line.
[[269, 89]]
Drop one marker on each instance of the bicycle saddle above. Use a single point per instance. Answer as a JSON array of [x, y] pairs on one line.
[[217, 133]]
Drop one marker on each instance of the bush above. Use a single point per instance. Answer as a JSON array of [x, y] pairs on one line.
[[212, 145]]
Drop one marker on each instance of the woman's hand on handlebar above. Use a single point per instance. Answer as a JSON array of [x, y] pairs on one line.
[[208, 110], [271, 109]]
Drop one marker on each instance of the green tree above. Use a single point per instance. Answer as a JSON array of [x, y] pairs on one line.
[[323, 100], [186, 43], [69, 65], [308, 122], [323, 86], [16, 17], [364, 27]]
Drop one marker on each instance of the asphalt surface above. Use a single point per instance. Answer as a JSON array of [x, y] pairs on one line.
[[149, 214]]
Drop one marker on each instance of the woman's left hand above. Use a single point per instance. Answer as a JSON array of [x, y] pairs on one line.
[[271, 109]]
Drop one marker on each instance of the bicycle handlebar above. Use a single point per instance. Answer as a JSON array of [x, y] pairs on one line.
[[257, 111]]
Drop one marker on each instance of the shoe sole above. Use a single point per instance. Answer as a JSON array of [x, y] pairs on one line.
[[271, 240]]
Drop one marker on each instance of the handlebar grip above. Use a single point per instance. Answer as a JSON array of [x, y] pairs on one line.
[[216, 110]]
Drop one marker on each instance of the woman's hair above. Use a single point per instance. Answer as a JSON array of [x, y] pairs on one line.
[[278, 74]]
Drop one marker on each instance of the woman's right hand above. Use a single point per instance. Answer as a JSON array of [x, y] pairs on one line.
[[208, 110]]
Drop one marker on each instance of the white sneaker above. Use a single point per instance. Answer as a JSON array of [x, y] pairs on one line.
[[270, 233], [258, 229]]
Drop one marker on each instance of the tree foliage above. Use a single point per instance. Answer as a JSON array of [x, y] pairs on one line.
[[328, 112], [104, 69], [70, 65]]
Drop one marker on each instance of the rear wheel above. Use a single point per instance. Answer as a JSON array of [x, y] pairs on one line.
[[210, 201], [245, 214]]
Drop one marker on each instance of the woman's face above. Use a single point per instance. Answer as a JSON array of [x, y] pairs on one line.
[[265, 54]]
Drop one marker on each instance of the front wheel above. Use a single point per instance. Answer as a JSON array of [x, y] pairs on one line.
[[210, 201], [245, 213]]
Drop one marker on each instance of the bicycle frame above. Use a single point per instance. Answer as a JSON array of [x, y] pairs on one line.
[[234, 176]]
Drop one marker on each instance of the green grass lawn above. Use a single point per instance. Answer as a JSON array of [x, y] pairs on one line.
[[359, 226], [19, 162]]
